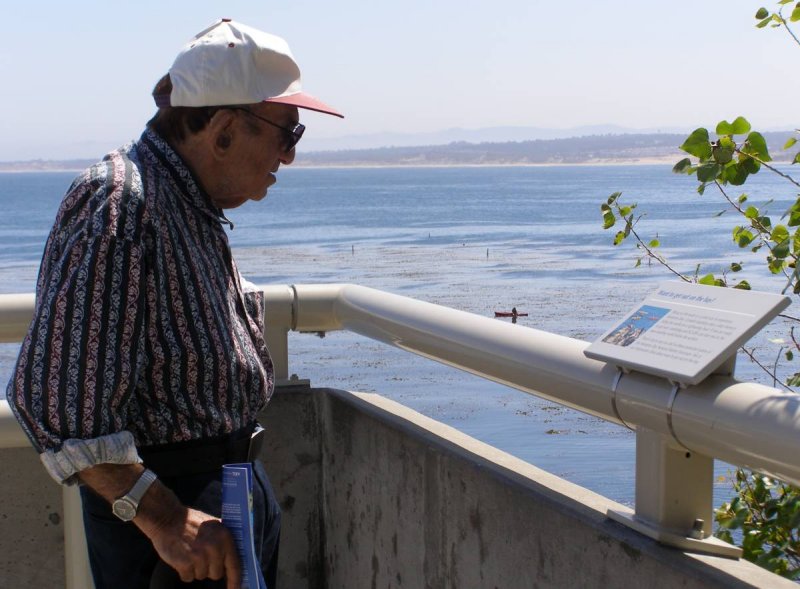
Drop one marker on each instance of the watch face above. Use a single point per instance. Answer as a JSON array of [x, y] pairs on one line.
[[124, 509]]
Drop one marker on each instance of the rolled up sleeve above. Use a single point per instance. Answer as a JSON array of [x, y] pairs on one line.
[[77, 455]]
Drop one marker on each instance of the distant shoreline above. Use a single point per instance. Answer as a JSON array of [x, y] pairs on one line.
[[40, 170], [599, 162], [318, 166]]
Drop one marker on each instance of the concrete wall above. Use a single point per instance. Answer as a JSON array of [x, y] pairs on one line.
[[376, 495], [31, 522], [409, 502]]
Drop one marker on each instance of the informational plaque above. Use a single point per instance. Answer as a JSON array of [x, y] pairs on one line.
[[684, 331]]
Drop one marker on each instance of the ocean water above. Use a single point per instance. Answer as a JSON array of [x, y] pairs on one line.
[[478, 239]]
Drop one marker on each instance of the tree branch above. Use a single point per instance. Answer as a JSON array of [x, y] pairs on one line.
[[786, 26], [653, 255], [775, 379], [769, 167]]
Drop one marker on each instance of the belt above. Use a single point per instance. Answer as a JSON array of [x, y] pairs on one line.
[[203, 456]]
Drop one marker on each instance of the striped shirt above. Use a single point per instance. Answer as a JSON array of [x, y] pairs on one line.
[[142, 334]]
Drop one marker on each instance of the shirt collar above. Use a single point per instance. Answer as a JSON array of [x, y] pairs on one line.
[[158, 152]]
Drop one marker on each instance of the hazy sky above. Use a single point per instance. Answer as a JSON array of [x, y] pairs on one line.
[[77, 75]]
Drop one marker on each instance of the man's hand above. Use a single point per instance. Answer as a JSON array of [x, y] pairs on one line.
[[194, 543], [198, 546]]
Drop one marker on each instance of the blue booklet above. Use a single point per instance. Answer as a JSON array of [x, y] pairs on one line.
[[237, 516]]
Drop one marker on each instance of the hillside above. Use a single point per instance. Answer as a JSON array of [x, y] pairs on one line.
[[591, 149], [598, 149]]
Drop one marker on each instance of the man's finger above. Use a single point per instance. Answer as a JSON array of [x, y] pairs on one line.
[[233, 571], [186, 573], [216, 568], [201, 569]]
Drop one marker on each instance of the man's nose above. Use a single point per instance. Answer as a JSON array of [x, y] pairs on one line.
[[287, 157]]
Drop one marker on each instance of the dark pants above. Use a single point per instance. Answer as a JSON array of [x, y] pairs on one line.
[[122, 557]]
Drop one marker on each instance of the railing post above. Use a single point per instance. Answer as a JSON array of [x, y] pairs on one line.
[[279, 319], [673, 485], [76, 556], [17, 311], [674, 496]]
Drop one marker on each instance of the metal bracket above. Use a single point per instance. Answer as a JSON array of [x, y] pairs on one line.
[[670, 404], [674, 487], [618, 377], [705, 545]]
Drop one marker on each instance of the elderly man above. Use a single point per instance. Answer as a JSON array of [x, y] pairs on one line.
[[145, 365]]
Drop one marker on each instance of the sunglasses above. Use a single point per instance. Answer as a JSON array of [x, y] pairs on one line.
[[291, 135]]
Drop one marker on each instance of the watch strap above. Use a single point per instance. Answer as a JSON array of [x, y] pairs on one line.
[[147, 478]]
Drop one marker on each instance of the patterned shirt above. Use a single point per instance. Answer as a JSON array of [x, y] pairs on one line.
[[142, 334]]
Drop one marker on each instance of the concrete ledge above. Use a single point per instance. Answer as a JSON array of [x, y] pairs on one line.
[[409, 502]]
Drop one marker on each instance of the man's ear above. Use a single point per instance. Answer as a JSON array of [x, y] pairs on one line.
[[223, 140], [221, 129]]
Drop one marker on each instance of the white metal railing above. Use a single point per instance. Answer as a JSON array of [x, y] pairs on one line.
[[678, 431]]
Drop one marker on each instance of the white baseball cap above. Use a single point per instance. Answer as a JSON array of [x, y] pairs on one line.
[[231, 63]]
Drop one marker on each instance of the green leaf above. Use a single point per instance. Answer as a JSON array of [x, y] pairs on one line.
[[738, 127], [781, 250], [796, 159], [750, 165], [742, 236], [724, 128], [736, 267], [756, 145], [708, 280], [791, 141], [702, 188], [625, 211], [654, 243], [609, 220], [735, 174], [789, 355], [794, 214], [613, 198], [619, 237], [779, 233], [604, 208], [682, 166], [708, 172], [741, 126], [697, 144], [795, 16], [764, 23], [775, 265], [751, 212], [762, 13], [742, 198], [721, 153], [742, 285]]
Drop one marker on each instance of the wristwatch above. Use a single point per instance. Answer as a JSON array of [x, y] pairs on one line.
[[125, 507]]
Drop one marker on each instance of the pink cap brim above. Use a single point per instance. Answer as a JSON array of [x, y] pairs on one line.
[[303, 100]]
